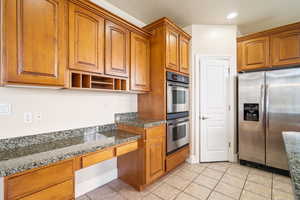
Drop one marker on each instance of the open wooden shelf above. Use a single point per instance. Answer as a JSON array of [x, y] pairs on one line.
[[81, 80]]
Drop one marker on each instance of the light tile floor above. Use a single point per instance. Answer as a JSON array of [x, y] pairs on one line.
[[208, 181]]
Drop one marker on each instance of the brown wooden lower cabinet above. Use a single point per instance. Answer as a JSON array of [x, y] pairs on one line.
[[62, 191], [36, 180], [175, 159], [142, 167]]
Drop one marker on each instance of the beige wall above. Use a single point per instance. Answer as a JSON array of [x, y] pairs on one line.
[[60, 109]]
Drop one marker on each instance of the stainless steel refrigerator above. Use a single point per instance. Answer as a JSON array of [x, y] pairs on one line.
[[269, 103]]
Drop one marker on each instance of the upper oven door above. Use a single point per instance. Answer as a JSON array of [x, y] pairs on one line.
[[178, 97]]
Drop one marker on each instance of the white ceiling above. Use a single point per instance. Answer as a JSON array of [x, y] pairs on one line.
[[254, 15]]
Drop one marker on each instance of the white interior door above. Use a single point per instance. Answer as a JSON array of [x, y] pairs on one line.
[[214, 109]]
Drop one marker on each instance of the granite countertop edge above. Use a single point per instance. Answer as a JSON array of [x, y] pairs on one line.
[[142, 123], [29, 162]]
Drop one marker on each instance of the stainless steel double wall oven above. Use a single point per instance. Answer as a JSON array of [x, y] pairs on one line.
[[177, 111]]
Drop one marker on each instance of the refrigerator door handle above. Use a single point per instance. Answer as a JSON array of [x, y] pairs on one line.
[[267, 110]]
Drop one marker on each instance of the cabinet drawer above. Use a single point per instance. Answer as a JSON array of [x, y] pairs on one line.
[[39, 179], [62, 191], [97, 157], [126, 148], [177, 158]]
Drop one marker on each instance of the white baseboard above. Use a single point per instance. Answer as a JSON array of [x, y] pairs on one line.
[[192, 159]]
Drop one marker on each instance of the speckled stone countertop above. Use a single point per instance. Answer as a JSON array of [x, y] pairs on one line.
[[143, 123], [132, 119], [24, 153], [292, 147]]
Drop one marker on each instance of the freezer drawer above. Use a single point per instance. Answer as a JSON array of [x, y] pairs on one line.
[[251, 94], [282, 112]]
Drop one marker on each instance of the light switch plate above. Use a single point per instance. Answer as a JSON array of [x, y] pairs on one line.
[[5, 109]]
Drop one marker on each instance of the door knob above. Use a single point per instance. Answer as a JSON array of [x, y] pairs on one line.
[[204, 118]]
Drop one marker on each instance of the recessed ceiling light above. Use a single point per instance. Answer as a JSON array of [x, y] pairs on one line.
[[232, 15]]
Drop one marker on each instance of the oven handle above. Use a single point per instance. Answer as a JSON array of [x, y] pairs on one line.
[[173, 85], [178, 122]]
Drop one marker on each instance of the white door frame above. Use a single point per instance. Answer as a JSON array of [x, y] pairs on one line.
[[195, 103]]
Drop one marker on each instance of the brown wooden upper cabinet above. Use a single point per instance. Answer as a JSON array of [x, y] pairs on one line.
[[86, 40], [172, 49], [117, 51], [285, 48], [271, 48], [255, 53], [35, 42], [184, 55], [140, 63]]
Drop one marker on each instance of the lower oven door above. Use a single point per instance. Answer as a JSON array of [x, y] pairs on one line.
[[178, 134], [177, 97]]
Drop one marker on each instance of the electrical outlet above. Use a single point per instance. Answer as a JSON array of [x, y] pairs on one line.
[[38, 116], [27, 117], [5, 109]]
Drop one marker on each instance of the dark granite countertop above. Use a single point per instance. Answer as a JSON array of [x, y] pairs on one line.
[[142, 123], [44, 149], [292, 147], [132, 119]]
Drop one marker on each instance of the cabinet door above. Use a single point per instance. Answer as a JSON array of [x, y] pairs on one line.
[[184, 55], [86, 40], [255, 53], [239, 57], [172, 49], [140, 63], [35, 42], [117, 50], [155, 153], [286, 48]]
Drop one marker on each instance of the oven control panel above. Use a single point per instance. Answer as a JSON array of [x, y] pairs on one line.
[[171, 76]]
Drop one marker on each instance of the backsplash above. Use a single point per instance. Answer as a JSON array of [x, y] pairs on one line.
[[18, 142], [123, 117]]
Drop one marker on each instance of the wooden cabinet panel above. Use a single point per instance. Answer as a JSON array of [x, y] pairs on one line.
[[39, 179], [142, 167], [86, 40], [184, 55], [62, 191], [97, 157], [177, 158], [126, 148], [285, 48], [35, 42], [117, 50], [239, 57], [255, 53], [172, 49], [140, 63], [155, 153]]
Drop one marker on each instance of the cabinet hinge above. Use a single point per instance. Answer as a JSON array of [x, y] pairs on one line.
[[229, 144], [229, 107]]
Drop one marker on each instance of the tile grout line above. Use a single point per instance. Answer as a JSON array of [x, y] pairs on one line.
[[213, 190], [244, 184]]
